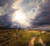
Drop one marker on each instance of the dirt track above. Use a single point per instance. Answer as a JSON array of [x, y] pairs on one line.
[[31, 43]]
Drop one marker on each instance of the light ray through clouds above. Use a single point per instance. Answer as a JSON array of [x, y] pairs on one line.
[[21, 18], [21, 13]]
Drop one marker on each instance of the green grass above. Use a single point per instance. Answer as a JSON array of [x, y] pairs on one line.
[[27, 35], [22, 38]]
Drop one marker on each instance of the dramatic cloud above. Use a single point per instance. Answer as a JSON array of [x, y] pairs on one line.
[[43, 18], [24, 13]]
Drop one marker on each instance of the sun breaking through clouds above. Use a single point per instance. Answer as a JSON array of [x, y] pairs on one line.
[[24, 13]]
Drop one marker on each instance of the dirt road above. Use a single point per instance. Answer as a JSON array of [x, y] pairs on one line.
[[32, 41]]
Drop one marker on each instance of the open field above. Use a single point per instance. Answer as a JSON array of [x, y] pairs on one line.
[[14, 37]]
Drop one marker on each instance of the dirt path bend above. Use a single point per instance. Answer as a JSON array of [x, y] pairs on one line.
[[31, 43], [41, 41]]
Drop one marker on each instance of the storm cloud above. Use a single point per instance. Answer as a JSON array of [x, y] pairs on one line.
[[42, 18], [37, 13]]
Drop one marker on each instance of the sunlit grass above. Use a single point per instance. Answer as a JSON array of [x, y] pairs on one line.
[[22, 37]]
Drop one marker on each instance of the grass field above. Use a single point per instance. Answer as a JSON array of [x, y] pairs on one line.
[[22, 38]]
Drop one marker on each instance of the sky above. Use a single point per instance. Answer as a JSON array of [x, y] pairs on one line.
[[25, 14]]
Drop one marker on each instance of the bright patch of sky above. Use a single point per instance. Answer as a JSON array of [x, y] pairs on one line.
[[21, 11]]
